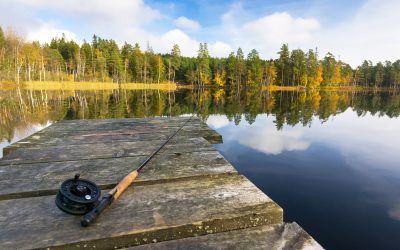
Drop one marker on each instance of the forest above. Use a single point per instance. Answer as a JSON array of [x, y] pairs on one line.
[[103, 60]]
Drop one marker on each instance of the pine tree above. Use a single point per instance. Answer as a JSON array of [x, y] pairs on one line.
[[240, 66], [175, 59], [312, 65], [204, 72], [284, 62], [231, 68], [254, 74], [329, 64]]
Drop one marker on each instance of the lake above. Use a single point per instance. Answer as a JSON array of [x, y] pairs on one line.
[[330, 159]]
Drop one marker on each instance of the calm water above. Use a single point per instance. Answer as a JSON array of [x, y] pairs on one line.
[[330, 159]]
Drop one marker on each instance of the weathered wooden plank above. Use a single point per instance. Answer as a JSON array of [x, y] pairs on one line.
[[38, 179], [120, 128], [143, 214], [121, 123], [49, 137], [281, 236], [48, 134], [94, 137], [147, 120], [113, 149]]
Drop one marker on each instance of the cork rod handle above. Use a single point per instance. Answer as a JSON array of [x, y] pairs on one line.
[[123, 185]]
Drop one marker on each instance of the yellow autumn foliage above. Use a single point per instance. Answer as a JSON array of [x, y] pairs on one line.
[[316, 82], [219, 78]]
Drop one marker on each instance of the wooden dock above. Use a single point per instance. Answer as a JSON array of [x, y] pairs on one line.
[[188, 196]]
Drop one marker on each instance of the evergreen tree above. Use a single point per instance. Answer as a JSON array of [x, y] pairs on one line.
[[175, 60], [298, 67], [231, 68], [204, 72], [312, 66], [284, 62], [378, 74], [329, 64], [240, 66], [254, 71]]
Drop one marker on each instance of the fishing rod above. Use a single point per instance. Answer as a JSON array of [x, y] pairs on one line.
[[81, 197]]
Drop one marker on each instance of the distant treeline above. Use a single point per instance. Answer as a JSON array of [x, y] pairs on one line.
[[103, 60]]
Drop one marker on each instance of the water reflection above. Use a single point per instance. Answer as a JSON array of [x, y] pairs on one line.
[[21, 133], [339, 178], [19, 107], [261, 135], [330, 159]]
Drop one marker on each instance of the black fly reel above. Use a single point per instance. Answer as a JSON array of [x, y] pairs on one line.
[[77, 196]]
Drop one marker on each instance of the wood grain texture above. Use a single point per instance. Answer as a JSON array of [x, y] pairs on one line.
[[143, 214], [132, 123], [65, 134], [36, 179], [102, 150], [282, 236]]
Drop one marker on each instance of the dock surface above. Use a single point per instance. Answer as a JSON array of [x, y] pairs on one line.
[[187, 197]]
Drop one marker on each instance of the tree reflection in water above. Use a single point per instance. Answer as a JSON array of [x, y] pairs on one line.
[[21, 108]]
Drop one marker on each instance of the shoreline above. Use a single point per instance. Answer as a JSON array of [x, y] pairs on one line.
[[54, 85], [165, 86]]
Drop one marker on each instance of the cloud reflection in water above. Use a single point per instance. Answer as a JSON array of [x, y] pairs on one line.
[[367, 144], [269, 141], [262, 135]]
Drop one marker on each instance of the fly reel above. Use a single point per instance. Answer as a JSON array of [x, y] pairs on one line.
[[77, 196]]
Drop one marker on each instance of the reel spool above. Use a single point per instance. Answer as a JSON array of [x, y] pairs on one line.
[[77, 196]]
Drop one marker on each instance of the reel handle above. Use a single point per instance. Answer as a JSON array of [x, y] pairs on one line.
[[90, 217], [114, 194]]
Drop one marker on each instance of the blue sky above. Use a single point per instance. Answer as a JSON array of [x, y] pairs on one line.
[[353, 30]]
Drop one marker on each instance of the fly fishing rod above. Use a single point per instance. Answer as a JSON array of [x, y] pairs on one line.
[[81, 197]]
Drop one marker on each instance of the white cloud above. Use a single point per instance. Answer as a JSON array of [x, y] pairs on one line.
[[371, 34], [269, 141], [188, 46], [21, 133], [262, 135], [125, 20], [364, 131], [217, 121], [186, 23], [267, 33], [124, 12], [46, 32], [220, 49], [165, 42], [280, 28]]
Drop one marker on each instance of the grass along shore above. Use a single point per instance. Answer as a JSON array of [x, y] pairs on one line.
[[164, 86], [54, 85]]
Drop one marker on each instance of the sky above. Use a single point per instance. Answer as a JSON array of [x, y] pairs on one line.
[[353, 30]]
